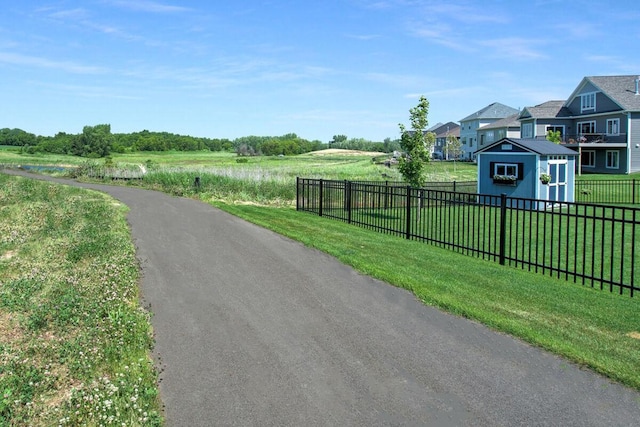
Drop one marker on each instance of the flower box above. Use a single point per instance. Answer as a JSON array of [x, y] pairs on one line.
[[505, 179]]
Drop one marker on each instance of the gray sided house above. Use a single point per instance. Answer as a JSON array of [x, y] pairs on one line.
[[515, 167], [509, 127], [442, 131], [485, 116], [600, 121]]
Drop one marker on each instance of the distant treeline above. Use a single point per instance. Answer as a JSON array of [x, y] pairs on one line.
[[98, 141]]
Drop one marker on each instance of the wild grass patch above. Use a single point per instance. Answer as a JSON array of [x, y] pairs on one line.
[[74, 341]]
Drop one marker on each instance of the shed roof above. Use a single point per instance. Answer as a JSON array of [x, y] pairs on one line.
[[537, 146]]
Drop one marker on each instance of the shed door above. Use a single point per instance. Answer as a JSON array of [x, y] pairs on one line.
[[558, 184]]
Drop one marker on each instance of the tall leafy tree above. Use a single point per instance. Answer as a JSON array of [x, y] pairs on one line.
[[95, 141], [416, 145]]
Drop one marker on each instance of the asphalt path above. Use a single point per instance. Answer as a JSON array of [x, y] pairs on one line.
[[254, 329]]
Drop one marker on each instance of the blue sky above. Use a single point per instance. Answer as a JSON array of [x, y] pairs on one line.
[[225, 69]]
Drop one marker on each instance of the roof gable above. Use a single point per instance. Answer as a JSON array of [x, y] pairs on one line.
[[491, 111], [546, 110], [620, 89]]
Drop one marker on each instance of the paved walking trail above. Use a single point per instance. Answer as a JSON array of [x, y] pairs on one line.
[[254, 329]]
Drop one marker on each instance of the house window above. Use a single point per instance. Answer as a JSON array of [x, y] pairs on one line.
[[613, 126], [613, 159], [481, 139], [588, 159], [587, 101], [490, 137], [586, 128], [527, 130], [505, 169]]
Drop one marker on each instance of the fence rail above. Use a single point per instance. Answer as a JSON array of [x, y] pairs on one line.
[[595, 245]]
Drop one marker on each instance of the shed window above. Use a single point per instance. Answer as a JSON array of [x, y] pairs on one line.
[[506, 169]]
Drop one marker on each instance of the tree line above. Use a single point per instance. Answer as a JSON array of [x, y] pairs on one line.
[[98, 141]]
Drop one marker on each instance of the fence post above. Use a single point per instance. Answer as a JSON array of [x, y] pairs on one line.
[[297, 193], [386, 195], [454, 186], [320, 194], [347, 193], [503, 227], [408, 224], [633, 192]]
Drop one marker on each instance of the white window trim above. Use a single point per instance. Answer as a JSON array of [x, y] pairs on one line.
[[592, 157], [617, 158], [490, 137], [505, 167], [593, 122], [587, 101], [617, 127], [546, 129]]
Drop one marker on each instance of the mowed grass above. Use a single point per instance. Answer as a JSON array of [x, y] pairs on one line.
[[74, 341], [590, 327]]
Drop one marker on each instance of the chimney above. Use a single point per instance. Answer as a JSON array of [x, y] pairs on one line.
[[637, 85]]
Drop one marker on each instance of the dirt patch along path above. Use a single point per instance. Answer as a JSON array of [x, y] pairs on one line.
[[255, 329]]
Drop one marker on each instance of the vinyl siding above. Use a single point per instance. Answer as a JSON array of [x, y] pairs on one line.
[[634, 134]]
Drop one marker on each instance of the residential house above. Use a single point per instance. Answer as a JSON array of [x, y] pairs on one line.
[[485, 116], [443, 131], [600, 120], [509, 127]]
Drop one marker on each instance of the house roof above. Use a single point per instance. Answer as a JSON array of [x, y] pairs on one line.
[[546, 110], [434, 127], [491, 111], [621, 89], [508, 122], [444, 128], [455, 131], [538, 146]]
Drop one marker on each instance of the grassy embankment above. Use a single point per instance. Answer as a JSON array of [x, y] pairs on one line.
[[74, 341]]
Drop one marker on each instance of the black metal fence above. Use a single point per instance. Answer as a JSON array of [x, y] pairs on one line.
[[616, 192], [596, 245]]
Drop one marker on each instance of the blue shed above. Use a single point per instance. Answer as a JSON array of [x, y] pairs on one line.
[[518, 168]]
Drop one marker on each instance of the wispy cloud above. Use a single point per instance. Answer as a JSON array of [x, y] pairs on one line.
[[39, 62], [84, 91], [78, 13], [439, 33], [514, 48], [148, 6], [363, 37], [459, 12]]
